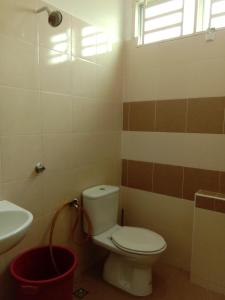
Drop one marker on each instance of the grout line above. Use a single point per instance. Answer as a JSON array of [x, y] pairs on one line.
[[155, 116], [128, 117], [220, 182], [223, 129], [186, 115], [153, 175], [127, 173], [182, 187]]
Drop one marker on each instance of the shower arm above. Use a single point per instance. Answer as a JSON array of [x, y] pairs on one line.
[[45, 8]]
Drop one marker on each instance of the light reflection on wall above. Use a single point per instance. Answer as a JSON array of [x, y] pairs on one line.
[[59, 58], [61, 44], [94, 42]]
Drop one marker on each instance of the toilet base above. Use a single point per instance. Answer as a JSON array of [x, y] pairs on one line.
[[128, 275]]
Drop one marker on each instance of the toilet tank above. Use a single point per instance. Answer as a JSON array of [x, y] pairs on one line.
[[101, 204]]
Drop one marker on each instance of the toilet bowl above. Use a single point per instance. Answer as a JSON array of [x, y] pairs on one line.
[[133, 250]]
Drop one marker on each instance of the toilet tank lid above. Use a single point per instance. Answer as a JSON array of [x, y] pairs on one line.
[[100, 191]]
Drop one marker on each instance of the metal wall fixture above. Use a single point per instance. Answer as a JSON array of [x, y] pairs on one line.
[[39, 168], [54, 17]]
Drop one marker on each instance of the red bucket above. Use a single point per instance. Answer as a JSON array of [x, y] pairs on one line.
[[35, 277]]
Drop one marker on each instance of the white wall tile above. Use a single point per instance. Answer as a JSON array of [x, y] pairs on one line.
[[20, 154], [18, 19], [84, 78], [208, 250], [27, 194], [55, 71], [206, 78], [172, 81], [57, 113], [20, 111], [204, 151], [58, 152], [18, 64], [83, 46]]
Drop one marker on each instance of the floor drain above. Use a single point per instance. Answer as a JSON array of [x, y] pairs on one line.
[[80, 293]]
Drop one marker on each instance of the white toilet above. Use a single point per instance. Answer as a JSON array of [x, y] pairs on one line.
[[133, 250]]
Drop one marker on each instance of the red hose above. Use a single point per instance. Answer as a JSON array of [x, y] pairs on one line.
[[81, 212]]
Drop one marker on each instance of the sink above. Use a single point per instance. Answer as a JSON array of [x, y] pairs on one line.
[[14, 223]]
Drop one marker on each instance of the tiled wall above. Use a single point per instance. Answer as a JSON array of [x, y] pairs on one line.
[[177, 181], [173, 135], [57, 107], [208, 243], [202, 115]]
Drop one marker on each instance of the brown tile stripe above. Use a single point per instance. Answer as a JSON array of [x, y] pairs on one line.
[[210, 203], [167, 180], [177, 181], [202, 115], [141, 117]]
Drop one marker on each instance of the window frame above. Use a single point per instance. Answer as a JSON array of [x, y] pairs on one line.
[[139, 24]]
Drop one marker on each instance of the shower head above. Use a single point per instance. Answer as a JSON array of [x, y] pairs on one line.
[[54, 17]]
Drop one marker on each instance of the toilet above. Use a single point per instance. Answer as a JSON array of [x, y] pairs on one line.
[[133, 250]]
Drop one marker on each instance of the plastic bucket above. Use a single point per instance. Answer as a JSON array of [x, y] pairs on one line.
[[35, 277]]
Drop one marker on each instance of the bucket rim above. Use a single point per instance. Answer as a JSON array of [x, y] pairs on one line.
[[47, 281]]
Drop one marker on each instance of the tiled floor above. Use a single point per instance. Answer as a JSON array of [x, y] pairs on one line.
[[169, 284]]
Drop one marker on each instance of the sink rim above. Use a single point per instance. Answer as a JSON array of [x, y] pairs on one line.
[[20, 228]]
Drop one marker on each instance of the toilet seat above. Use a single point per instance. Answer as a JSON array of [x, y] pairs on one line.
[[138, 240]]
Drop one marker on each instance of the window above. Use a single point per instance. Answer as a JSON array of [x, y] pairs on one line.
[[158, 20]]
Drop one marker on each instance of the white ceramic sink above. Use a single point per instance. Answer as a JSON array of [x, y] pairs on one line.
[[14, 223]]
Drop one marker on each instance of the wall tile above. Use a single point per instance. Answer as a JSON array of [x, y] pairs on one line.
[[124, 172], [219, 206], [58, 188], [168, 180], [17, 19], [142, 116], [58, 151], [197, 179], [142, 73], [171, 115], [205, 202], [55, 71], [1, 171], [204, 151], [99, 116], [172, 81], [206, 77], [93, 148], [57, 113], [20, 111], [20, 154], [26, 193], [207, 265], [81, 36], [84, 78], [206, 115], [55, 38], [222, 182], [139, 175], [126, 108], [18, 64]]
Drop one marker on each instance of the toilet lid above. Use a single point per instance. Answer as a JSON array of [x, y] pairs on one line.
[[138, 240]]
